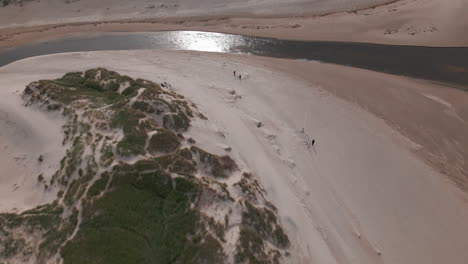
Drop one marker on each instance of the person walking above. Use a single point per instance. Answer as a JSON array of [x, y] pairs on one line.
[[313, 142], [234, 73], [240, 77]]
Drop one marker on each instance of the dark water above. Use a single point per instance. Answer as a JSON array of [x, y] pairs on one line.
[[448, 65]]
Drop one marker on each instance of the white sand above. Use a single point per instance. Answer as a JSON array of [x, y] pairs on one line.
[[25, 134], [359, 196]]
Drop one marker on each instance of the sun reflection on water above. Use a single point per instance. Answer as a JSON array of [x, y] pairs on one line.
[[202, 41]]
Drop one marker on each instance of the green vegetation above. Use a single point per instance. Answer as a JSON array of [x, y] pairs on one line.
[[55, 238], [107, 155], [219, 166], [259, 225], [44, 220], [70, 163], [177, 121], [143, 218], [135, 138], [11, 247], [99, 186], [164, 141], [250, 187], [143, 106], [98, 86], [180, 162], [264, 222]]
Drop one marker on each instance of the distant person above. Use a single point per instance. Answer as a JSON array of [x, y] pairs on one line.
[[313, 142], [240, 77], [302, 130], [234, 73]]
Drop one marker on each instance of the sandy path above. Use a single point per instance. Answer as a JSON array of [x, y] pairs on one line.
[[359, 196], [405, 22]]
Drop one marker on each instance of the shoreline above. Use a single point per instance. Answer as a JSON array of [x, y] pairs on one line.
[[366, 25]]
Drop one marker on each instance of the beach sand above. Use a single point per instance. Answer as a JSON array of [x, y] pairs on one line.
[[362, 194]]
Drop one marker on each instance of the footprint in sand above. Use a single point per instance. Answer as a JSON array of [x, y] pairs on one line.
[[277, 149], [233, 96], [291, 163]]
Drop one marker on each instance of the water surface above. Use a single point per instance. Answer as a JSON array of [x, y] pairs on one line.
[[448, 65]]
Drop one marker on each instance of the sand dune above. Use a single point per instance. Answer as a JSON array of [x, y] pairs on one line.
[[360, 195]]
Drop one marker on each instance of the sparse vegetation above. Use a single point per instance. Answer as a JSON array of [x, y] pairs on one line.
[[259, 225], [135, 138], [5, 2], [219, 166], [107, 155], [41, 221], [164, 141]]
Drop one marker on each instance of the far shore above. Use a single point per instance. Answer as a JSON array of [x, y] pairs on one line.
[[371, 25]]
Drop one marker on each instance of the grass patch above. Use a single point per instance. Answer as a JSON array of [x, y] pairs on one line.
[[98, 86], [143, 218], [164, 141], [99, 185], [134, 139], [264, 222], [178, 121]]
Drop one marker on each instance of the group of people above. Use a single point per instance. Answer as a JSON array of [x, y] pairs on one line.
[[237, 75], [309, 142]]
